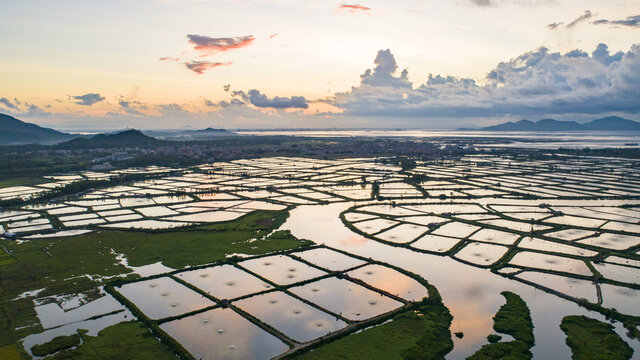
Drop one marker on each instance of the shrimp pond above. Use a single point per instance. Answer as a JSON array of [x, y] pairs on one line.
[[480, 257]]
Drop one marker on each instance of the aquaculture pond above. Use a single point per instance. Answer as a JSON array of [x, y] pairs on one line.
[[222, 273]]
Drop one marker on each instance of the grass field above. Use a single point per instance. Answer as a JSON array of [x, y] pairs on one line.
[[590, 339], [23, 181], [56, 344], [60, 266], [10, 352], [124, 341]]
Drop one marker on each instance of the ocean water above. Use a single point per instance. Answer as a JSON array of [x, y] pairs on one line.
[[523, 139]]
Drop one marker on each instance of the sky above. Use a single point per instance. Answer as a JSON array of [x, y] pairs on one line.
[[263, 64]]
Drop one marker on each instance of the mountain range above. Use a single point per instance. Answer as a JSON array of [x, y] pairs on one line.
[[16, 132], [611, 123]]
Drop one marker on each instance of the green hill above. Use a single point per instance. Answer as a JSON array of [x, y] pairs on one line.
[[16, 132], [127, 138]]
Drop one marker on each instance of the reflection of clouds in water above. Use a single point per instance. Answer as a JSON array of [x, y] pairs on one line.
[[473, 320], [391, 281], [475, 291], [353, 239]]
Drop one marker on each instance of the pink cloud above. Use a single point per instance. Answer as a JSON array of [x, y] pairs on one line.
[[169, 58], [353, 8], [199, 67], [272, 36], [209, 46]]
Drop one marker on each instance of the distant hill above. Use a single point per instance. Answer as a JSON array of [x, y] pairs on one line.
[[16, 132], [192, 135], [127, 138], [611, 123], [212, 130]]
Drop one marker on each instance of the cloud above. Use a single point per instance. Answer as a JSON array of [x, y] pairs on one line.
[[34, 111], [132, 107], [199, 67], [88, 99], [272, 36], [630, 21], [169, 58], [586, 16], [173, 110], [538, 82], [493, 3], [601, 54], [260, 100], [20, 108], [554, 26], [383, 73], [482, 3], [210, 46], [8, 104], [354, 8]]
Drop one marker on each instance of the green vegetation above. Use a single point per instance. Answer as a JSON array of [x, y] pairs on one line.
[[514, 319], [513, 350], [56, 344], [23, 181], [590, 339], [10, 352], [129, 340], [414, 334], [494, 338], [58, 266], [406, 163]]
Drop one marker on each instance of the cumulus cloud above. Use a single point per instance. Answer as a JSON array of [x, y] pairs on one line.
[[88, 99], [383, 73], [258, 99], [630, 21], [538, 82], [199, 67], [210, 46], [354, 8]]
